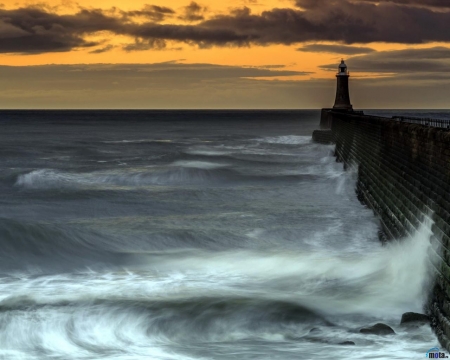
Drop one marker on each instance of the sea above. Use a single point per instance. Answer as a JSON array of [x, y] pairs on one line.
[[182, 235]]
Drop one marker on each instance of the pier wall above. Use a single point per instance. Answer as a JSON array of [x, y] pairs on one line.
[[403, 175]]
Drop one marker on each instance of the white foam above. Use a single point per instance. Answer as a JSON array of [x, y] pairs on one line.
[[393, 275], [208, 152], [382, 282], [198, 164], [44, 178], [48, 178], [138, 141], [237, 151], [287, 140]]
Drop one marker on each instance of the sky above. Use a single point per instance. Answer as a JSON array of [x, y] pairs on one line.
[[177, 54]]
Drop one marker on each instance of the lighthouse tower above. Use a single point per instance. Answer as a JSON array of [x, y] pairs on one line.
[[342, 94]]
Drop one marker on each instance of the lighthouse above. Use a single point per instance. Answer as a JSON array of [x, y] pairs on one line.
[[342, 94], [341, 104]]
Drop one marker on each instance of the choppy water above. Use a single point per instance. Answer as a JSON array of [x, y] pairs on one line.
[[193, 235]]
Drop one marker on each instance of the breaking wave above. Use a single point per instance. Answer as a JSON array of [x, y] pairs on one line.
[[178, 175], [287, 140], [207, 301], [199, 164], [266, 255]]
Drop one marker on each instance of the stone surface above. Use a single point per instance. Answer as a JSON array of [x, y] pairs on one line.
[[323, 136], [347, 343], [378, 329], [411, 317], [403, 173]]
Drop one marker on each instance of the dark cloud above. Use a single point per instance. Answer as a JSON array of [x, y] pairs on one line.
[[193, 12], [421, 3], [410, 62], [102, 50], [338, 20], [146, 44], [35, 30], [192, 34], [152, 12], [336, 49], [342, 21], [271, 66]]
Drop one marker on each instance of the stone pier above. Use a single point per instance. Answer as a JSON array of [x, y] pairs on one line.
[[403, 175]]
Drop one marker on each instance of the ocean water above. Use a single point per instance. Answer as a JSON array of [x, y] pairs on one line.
[[179, 235]]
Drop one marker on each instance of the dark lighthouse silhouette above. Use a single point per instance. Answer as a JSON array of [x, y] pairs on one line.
[[342, 102], [342, 93]]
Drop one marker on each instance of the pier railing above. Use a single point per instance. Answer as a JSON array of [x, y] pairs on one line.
[[440, 123]]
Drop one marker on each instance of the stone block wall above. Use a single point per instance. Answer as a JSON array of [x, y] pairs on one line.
[[403, 175], [323, 136], [326, 118]]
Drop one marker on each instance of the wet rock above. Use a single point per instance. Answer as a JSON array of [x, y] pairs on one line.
[[347, 343], [378, 329], [411, 317]]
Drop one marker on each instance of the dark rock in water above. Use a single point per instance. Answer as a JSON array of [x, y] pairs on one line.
[[378, 329], [411, 317], [347, 343]]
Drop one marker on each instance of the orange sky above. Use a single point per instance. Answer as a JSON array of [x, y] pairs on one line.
[[253, 56], [276, 57]]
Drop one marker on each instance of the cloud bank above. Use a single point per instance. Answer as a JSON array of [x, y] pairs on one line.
[[191, 86], [31, 30], [151, 86], [428, 62], [336, 49]]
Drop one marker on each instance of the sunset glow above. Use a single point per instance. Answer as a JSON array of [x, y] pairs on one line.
[[292, 41]]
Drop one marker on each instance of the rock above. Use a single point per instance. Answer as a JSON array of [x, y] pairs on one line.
[[378, 329], [411, 317], [347, 343]]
